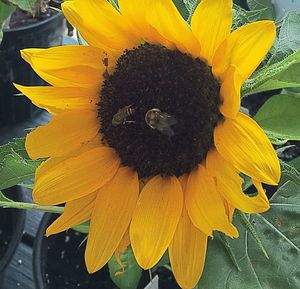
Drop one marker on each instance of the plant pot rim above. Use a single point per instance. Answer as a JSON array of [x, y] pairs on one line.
[[17, 233], [32, 26], [39, 281], [39, 262]]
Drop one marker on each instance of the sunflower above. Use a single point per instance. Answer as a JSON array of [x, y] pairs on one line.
[[146, 139]]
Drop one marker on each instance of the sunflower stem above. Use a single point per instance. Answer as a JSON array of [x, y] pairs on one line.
[[55, 9], [249, 227], [30, 206], [79, 38], [168, 267], [229, 251]]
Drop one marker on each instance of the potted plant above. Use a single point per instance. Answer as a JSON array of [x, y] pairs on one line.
[[58, 262], [11, 228], [42, 27]]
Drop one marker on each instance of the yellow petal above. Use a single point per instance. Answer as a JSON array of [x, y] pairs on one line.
[[135, 12], [79, 66], [155, 219], [231, 93], [244, 144], [124, 244], [63, 134], [96, 142], [74, 177], [112, 213], [187, 252], [60, 99], [100, 24], [211, 23], [229, 210], [245, 48], [54, 161], [229, 184], [75, 213], [204, 204], [261, 192], [165, 18]]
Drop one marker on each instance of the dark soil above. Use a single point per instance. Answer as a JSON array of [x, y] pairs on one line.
[[8, 221], [64, 266], [6, 230], [22, 18]]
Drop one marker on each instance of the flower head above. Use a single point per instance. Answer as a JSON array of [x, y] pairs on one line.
[[147, 136]]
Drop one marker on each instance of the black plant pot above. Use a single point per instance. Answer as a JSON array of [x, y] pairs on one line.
[[58, 262], [12, 222], [13, 68]]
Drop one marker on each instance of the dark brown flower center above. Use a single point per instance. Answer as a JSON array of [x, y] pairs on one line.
[[158, 110]]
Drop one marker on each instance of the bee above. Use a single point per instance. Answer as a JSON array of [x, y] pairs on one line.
[[105, 62], [121, 116], [161, 121]]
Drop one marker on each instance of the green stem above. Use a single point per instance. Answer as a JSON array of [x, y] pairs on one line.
[[30, 206], [249, 227], [229, 251], [55, 9]]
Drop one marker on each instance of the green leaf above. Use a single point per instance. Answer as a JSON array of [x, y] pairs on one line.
[[279, 232], [289, 173], [295, 163], [191, 5], [247, 182], [274, 140], [280, 116], [15, 169], [26, 5], [5, 12], [264, 7], [279, 72], [15, 165], [259, 10], [17, 145], [225, 240], [288, 40], [244, 220], [127, 274], [286, 79], [114, 3], [284, 215], [268, 72], [182, 9]]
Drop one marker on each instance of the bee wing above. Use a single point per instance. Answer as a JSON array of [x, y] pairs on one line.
[[171, 120], [166, 130], [166, 120], [165, 123]]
